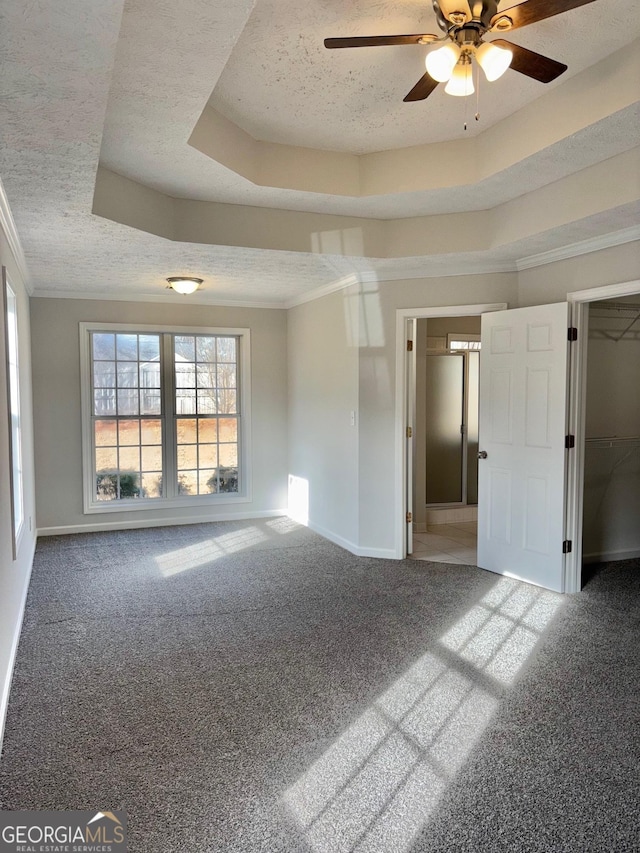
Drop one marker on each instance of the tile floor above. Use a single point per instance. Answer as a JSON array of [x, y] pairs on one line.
[[447, 543]]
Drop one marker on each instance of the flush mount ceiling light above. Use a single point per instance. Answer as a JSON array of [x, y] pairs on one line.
[[465, 23], [184, 284]]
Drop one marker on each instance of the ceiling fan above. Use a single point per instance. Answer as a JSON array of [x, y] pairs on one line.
[[465, 23]]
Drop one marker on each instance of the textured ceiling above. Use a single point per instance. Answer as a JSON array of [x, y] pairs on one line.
[[123, 84], [282, 85], [161, 85]]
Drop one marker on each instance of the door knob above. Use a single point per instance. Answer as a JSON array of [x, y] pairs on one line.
[[482, 454]]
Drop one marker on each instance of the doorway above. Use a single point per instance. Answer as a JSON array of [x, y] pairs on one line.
[[603, 479], [406, 320], [611, 501], [445, 464]]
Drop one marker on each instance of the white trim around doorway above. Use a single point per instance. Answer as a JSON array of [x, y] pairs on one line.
[[579, 302], [403, 316]]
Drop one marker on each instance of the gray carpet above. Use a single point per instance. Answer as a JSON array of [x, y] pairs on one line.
[[251, 687]]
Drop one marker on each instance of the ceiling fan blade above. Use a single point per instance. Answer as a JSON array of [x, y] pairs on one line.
[[532, 64], [423, 88], [377, 41], [537, 10]]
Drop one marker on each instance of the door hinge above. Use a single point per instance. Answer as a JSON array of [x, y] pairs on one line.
[[572, 334], [569, 442], [409, 432], [566, 546], [409, 346], [409, 518]]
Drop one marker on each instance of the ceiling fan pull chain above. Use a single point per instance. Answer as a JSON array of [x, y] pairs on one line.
[[477, 115]]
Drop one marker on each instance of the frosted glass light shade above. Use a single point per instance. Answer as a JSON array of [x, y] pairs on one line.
[[493, 60], [184, 285], [461, 81], [441, 62]]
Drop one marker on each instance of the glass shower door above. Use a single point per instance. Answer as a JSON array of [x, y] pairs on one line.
[[452, 384], [444, 434]]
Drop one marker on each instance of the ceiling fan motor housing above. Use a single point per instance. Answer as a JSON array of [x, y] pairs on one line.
[[459, 12], [468, 36]]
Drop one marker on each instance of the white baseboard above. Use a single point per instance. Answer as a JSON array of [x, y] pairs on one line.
[[356, 550], [135, 524], [611, 556], [378, 553], [451, 515], [8, 675]]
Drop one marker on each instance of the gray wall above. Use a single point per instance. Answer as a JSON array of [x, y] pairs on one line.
[[14, 574], [323, 399], [56, 378], [552, 282]]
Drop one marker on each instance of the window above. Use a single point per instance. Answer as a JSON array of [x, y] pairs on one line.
[[463, 342], [13, 400], [165, 416]]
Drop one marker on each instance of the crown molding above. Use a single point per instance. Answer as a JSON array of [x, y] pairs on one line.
[[167, 299], [446, 267], [443, 267], [325, 290], [583, 247], [8, 225], [455, 266]]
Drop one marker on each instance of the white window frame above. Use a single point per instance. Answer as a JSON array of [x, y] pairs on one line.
[[12, 362], [464, 338], [244, 493]]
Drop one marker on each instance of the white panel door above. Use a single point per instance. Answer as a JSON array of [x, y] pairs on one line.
[[523, 416]]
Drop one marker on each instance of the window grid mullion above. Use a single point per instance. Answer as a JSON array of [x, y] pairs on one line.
[[169, 415]]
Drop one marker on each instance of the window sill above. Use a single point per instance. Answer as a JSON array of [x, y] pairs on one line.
[[168, 503]]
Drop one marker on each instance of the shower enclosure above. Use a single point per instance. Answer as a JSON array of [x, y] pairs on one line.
[[452, 383]]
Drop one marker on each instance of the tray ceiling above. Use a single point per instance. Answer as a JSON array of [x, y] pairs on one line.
[[113, 87]]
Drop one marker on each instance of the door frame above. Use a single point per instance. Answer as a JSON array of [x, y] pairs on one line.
[[404, 379], [579, 301]]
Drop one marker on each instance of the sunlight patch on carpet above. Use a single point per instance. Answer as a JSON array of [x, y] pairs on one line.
[[376, 787], [195, 556]]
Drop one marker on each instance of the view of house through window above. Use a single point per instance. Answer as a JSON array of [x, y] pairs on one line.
[[206, 412], [165, 417]]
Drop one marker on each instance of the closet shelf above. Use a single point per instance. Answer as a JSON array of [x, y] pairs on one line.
[[614, 441]]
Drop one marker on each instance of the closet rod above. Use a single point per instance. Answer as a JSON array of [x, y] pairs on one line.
[[622, 306], [615, 306]]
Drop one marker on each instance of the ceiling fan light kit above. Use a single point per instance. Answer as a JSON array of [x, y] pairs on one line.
[[465, 23], [493, 60], [441, 62], [461, 81]]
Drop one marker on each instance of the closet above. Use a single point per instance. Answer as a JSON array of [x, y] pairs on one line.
[[611, 525]]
